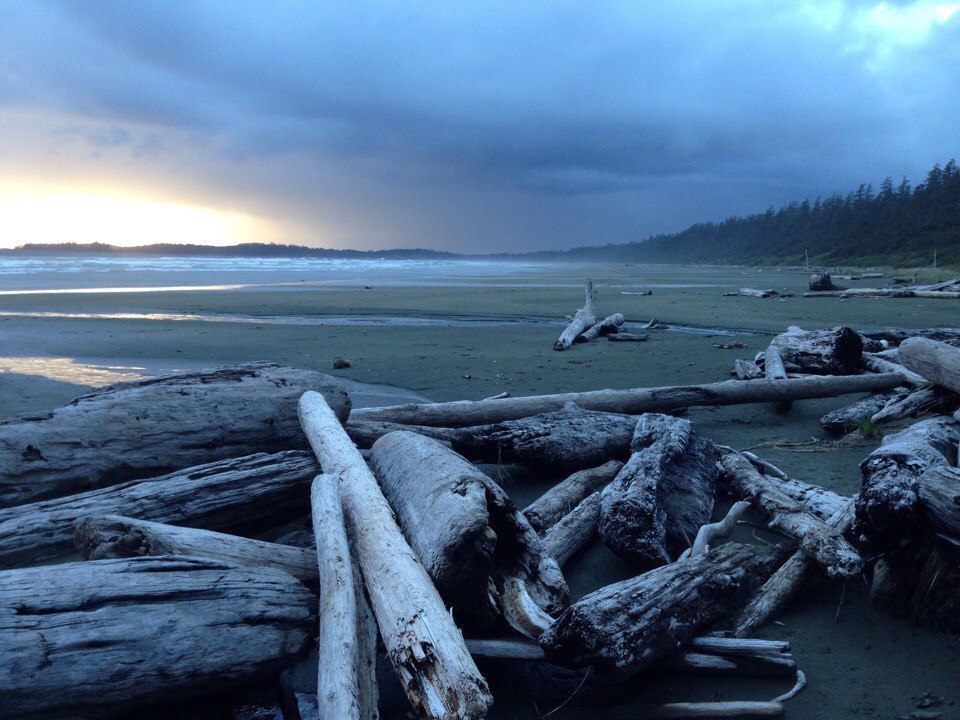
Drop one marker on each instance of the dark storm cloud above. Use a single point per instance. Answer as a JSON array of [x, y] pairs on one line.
[[500, 126]]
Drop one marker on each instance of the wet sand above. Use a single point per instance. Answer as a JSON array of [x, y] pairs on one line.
[[859, 664]]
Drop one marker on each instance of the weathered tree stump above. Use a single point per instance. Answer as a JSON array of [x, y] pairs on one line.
[[583, 319]]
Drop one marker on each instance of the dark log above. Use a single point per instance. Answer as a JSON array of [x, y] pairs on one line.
[[822, 281], [626, 627], [155, 426], [850, 417], [935, 361], [657, 503], [549, 508], [241, 495], [824, 352], [565, 441], [463, 527], [112, 636]]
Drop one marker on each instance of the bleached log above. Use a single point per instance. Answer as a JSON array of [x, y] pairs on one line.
[[937, 362], [155, 426], [717, 710], [366, 432], [574, 530], [556, 442], [462, 413], [338, 672], [610, 324], [747, 370], [722, 529], [626, 627], [929, 399], [627, 337], [777, 593], [849, 417], [773, 369], [425, 646], [239, 495], [720, 645], [835, 351], [764, 466], [814, 499], [463, 527], [549, 508], [99, 537], [663, 494], [821, 543], [113, 636], [752, 292], [876, 364], [939, 491], [582, 320]]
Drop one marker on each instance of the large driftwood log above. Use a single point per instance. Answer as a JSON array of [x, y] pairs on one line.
[[849, 417], [887, 503], [574, 530], [340, 645], [150, 427], [895, 336], [939, 490], [814, 499], [875, 363], [463, 527], [366, 432], [827, 352], [462, 413], [936, 361], [583, 319], [557, 442], [240, 495], [773, 369], [111, 636], [549, 508], [929, 399], [821, 543], [610, 324], [665, 492], [625, 627], [425, 646], [99, 537]]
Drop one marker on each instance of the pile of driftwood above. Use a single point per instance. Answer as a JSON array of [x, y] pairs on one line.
[[821, 286], [585, 326], [153, 483]]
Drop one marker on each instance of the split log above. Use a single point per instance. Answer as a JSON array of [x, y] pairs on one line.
[[464, 528], [610, 324], [461, 413], [549, 508], [582, 320], [663, 494], [747, 370], [887, 503], [155, 426], [877, 364], [923, 400], [339, 644], [821, 543], [849, 417], [777, 593], [99, 537], [240, 495], [112, 636], [626, 627], [558, 442], [939, 491], [574, 530], [773, 369], [824, 352], [425, 646], [937, 362], [627, 337]]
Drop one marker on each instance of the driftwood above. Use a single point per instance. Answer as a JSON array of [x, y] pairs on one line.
[[240, 495], [340, 644], [663, 494], [558, 442], [610, 324], [939, 491], [747, 370], [931, 398], [822, 281], [751, 292], [821, 543], [583, 319], [461, 413], [425, 646], [722, 529], [99, 537], [150, 427], [824, 352], [937, 362], [574, 530], [877, 364], [895, 336], [777, 593], [625, 627], [773, 369], [464, 528], [849, 417], [814, 499], [111, 636], [549, 508], [627, 337], [717, 710], [366, 432]]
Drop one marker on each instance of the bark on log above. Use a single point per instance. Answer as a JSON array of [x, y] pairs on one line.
[[574, 530], [549, 508], [937, 362], [821, 543], [849, 417], [887, 503], [462, 413], [565, 441], [625, 627], [111, 636], [463, 527], [814, 499], [150, 427], [610, 324], [99, 537], [664, 493], [827, 352], [424, 645], [240, 495], [582, 320]]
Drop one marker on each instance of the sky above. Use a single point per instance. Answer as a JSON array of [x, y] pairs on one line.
[[465, 126]]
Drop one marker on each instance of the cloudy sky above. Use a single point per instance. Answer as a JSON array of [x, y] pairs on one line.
[[463, 126]]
